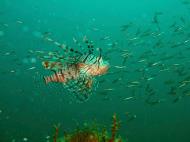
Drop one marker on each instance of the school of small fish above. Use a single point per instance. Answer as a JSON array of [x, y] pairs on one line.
[[148, 58]]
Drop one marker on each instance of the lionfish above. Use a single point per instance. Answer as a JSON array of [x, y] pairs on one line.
[[75, 69]]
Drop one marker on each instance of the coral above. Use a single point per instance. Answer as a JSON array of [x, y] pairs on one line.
[[84, 136], [56, 133], [114, 128], [91, 133]]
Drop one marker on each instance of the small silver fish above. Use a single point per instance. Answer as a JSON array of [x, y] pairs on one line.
[[128, 98], [31, 68]]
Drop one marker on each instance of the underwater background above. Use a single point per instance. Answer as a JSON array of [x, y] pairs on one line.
[[147, 45]]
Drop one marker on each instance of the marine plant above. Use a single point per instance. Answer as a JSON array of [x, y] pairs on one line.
[[91, 134]]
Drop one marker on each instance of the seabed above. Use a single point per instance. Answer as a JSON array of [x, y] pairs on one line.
[[91, 133]]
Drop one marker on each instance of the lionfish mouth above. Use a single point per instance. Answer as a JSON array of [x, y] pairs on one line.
[[77, 71]]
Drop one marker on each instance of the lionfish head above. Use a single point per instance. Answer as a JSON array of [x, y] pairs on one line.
[[95, 68]]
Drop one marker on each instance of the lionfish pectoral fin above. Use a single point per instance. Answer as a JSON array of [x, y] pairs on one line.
[[89, 83], [80, 65]]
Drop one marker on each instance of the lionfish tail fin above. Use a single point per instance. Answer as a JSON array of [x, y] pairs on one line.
[[46, 79]]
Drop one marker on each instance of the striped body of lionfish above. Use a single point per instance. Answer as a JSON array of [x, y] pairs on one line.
[[75, 69]]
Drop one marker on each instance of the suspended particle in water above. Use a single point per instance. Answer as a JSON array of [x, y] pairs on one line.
[[25, 29], [37, 34], [13, 140], [25, 139], [2, 33], [33, 60]]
